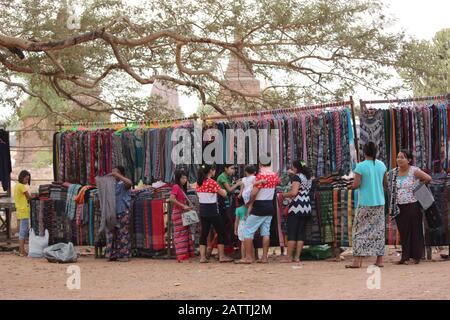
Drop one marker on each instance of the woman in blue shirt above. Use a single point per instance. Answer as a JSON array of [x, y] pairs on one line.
[[118, 241], [369, 221]]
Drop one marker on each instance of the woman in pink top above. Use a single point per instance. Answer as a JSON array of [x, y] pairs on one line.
[[184, 244]]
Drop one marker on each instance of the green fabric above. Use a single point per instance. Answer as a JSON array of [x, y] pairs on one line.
[[371, 193], [241, 212], [321, 252], [222, 179]]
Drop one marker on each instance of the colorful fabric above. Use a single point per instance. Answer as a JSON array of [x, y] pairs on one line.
[[369, 231], [118, 242]]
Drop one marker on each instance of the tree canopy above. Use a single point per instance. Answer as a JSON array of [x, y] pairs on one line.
[[306, 50], [425, 65]]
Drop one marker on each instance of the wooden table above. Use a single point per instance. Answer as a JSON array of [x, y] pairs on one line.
[[7, 206]]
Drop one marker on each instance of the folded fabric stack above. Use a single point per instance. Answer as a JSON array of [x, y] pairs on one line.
[[335, 182], [44, 190], [58, 192]]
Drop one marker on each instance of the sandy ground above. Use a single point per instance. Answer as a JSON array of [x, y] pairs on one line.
[[26, 278]]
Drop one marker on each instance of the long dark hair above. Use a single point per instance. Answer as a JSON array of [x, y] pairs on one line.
[[22, 175], [371, 150], [203, 171], [408, 155], [178, 175], [298, 164]]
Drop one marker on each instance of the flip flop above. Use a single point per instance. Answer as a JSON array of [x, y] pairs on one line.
[[242, 262]]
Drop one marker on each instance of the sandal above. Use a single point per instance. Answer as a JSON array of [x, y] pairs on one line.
[[204, 261], [226, 260], [242, 262]]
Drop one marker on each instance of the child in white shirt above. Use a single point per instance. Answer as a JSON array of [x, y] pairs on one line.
[[241, 212]]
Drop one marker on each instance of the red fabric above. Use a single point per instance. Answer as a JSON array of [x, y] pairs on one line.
[[209, 186], [147, 240], [158, 224], [272, 180]]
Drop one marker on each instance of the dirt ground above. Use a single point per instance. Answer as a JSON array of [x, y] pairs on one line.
[[27, 278]]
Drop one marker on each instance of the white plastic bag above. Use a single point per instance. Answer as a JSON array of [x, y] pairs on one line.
[[61, 253], [37, 244]]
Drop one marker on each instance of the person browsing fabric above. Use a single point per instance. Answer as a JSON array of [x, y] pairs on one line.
[[369, 221], [22, 197], [260, 211], [241, 212], [299, 210], [118, 240], [405, 207], [207, 191], [184, 244]]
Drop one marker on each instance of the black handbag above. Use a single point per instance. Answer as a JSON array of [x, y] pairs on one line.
[[433, 217]]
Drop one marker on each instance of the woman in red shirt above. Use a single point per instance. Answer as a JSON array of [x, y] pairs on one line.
[[207, 191], [184, 244]]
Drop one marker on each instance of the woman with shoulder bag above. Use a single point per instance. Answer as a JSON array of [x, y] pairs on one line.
[[184, 244], [405, 208]]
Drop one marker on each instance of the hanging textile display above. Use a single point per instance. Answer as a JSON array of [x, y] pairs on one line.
[[439, 187], [421, 127], [5, 160], [321, 135], [324, 137]]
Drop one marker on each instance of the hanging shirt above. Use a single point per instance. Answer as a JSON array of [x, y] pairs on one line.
[[207, 192], [371, 192]]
